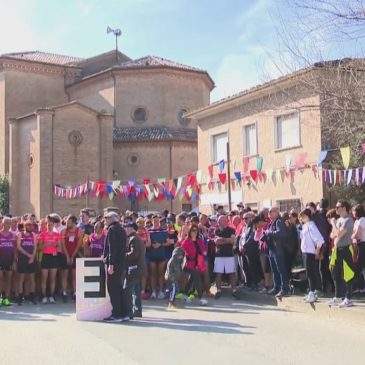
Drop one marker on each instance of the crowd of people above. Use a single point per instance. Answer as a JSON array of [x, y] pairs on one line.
[[168, 256]]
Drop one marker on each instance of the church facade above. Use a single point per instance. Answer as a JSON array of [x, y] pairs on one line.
[[65, 119]]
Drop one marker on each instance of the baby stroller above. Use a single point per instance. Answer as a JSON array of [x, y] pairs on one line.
[[298, 282]]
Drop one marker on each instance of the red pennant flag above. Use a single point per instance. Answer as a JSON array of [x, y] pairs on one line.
[[210, 170], [340, 176], [146, 181], [191, 180], [246, 163], [254, 175], [222, 177]]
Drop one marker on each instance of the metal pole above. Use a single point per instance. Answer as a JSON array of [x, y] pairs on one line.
[[229, 177], [116, 48], [87, 194]]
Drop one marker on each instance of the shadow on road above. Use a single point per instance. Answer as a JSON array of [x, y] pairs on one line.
[[194, 325]]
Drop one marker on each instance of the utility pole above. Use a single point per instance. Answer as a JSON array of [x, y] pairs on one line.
[[229, 177]]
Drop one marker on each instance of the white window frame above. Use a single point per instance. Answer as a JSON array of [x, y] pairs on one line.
[[276, 134], [212, 149], [245, 151], [289, 204]]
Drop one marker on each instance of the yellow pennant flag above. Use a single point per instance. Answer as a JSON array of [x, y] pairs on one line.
[[345, 154]]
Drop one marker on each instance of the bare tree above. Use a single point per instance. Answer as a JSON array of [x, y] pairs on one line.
[[304, 33]]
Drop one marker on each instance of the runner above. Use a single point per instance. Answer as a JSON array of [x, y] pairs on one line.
[[50, 242], [71, 239], [144, 235], [27, 249], [96, 242], [157, 257], [7, 260]]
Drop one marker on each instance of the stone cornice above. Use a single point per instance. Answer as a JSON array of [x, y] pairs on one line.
[[120, 72], [37, 67]]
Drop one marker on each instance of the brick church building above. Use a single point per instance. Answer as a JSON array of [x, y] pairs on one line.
[[108, 117]]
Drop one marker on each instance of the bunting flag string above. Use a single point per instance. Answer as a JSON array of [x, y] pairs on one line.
[[188, 186]]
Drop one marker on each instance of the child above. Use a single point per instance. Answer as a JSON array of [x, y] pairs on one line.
[[173, 274]]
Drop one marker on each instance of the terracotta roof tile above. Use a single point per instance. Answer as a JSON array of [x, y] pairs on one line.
[[135, 134], [154, 61], [43, 57]]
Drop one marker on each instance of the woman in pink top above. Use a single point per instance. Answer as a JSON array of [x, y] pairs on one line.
[[195, 251], [50, 243]]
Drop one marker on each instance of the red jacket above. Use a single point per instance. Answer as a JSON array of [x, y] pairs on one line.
[[194, 259]]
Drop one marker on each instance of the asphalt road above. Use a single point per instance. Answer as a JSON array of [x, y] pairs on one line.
[[225, 332]]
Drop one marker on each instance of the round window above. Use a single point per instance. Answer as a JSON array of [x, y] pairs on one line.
[[133, 159], [181, 117], [139, 115]]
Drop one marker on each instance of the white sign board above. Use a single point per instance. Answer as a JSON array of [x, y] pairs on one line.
[[92, 299]]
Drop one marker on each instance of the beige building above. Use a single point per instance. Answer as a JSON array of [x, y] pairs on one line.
[[107, 117], [278, 121]]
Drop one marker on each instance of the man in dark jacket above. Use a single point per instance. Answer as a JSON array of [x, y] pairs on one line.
[[136, 269], [277, 234], [115, 260]]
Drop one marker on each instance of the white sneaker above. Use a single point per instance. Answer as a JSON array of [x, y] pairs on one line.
[[51, 300], [346, 303], [44, 300], [334, 302], [203, 302], [161, 295], [187, 299], [153, 295], [311, 298]]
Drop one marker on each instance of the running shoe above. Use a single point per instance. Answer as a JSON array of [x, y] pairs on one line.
[[171, 306], [179, 296], [187, 299], [203, 302], [144, 295], [334, 302], [346, 303], [153, 295], [64, 297], [161, 295], [20, 300], [236, 295], [191, 296], [112, 319], [311, 297], [44, 300], [51, 300], [126, 319], [6, 302]]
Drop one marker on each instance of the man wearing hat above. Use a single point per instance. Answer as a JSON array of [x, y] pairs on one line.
[[136, 270], [115, 260]]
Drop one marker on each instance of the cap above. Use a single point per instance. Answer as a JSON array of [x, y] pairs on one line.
[[111, 215], [131, 225]]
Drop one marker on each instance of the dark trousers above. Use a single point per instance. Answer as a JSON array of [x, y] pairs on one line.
[[343, 254], [278, 267], [312, 269], [254, 265], [114, 284], [195, 280], [131, 297], [360, 266], [173, 290], [326, 279]]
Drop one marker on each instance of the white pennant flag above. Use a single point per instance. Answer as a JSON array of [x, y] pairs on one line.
[[349, 177]]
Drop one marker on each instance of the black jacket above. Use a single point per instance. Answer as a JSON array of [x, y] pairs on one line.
[[136, 258], [277, 234], [115, 247]]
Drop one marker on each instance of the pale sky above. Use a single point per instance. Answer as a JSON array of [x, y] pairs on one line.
[[234, 40]]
